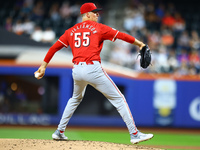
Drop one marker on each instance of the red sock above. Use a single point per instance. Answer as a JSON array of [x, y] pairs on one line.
[[135, 133], [61, 131]]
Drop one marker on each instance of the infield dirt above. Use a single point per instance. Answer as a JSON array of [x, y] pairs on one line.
[[33, 144], [37, 144]]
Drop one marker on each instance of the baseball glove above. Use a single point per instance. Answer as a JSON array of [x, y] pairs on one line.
[[145, 59]]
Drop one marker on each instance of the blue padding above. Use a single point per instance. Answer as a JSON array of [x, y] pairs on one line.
[[140, 96]]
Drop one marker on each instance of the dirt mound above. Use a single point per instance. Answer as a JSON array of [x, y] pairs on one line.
[[33, 144]]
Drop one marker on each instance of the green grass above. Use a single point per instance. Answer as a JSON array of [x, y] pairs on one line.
[[163, 139], [176, 139]]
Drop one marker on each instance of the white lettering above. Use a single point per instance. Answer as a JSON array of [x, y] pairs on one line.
[[94, 32], [90, 27], [87, 26], [11, 119], [194, 109], [21, 119], [42, 120], [2, 118]]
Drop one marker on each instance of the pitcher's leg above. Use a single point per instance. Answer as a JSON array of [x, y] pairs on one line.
[[78, 93], [108, 88]]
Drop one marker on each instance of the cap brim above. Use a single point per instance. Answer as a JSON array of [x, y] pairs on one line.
[[95, 10]]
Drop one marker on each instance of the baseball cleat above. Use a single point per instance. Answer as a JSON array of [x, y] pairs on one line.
[[59, 136], [139, 137]]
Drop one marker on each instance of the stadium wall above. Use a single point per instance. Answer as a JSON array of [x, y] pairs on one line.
[[154, 100]]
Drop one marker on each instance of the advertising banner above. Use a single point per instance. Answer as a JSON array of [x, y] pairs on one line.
[[153, 101]]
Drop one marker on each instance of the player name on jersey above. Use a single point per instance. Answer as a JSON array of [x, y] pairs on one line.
[[83, 26]]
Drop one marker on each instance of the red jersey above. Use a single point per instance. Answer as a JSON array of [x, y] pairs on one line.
[[86, 41]]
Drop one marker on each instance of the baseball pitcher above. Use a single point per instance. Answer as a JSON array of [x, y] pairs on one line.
[[86, 41]]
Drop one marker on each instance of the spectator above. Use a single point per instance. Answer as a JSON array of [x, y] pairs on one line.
[[18, 4], [54, 12], [25, 10], [152, 20], [183, 57], [192, 70], [159, 29], [167, 39], [160, 11], [8, 24], [150, 8], [172, 61], [18, 27], [38, 11], [65, 11], [194, 57], [183, 41], [48, 36], [37, 34], [154, 39], [162, 60], [194, 60], [28, 26], [29, 3], [121, 54], [138, 20], [75, 10], [179, 25], [134, 20], [20, 95], [128, 21], [171, 8], [183, 70], [168, 20], [194, 40]]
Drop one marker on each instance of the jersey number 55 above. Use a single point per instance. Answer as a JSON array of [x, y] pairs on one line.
[[82, 39]]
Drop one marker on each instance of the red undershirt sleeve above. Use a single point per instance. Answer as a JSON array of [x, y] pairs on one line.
[[125, 37], [53, 49]]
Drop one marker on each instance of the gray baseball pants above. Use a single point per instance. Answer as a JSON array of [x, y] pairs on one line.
[[94, 75]]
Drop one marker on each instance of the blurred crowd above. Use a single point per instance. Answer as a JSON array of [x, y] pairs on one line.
[[42, 21], [174, 48], [12, 98], [16, 97]]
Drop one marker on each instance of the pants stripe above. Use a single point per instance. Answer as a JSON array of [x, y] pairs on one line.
[[122, 97]]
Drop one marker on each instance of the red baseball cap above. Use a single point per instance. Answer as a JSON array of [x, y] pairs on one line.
[[89, 7]]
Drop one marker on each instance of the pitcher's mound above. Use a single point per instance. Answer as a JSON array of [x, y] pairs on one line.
[[33, 144]]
